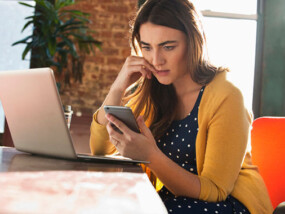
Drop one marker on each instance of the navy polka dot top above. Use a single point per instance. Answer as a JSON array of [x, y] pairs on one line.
[[178, 143]]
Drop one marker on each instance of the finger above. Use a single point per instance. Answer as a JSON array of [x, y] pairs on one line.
[[149, 73], [144, 129], [144, 64], [114, 136], [142, 69], [135, 60], [116, 128], [148, 68], [114, 141], [120, 125], [111, 131]]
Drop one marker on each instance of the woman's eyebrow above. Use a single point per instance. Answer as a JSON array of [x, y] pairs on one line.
[[167, 42], [143, 43], [160, 44]]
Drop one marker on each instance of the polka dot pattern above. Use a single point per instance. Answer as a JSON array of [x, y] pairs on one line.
[[181, 205], [178, 144]]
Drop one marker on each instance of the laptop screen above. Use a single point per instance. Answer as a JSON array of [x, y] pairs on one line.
[[34, 112]]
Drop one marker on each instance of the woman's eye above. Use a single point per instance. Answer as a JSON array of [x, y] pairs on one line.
[[146, 48], [169, 48]]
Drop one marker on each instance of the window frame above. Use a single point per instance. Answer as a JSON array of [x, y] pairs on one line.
[[257, 84]]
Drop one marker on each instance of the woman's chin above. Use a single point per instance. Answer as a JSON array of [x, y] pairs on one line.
[[164, 81]]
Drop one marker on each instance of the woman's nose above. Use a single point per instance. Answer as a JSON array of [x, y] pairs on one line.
[[157, 59]]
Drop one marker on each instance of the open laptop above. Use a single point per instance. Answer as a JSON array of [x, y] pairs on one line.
[[35, 116]]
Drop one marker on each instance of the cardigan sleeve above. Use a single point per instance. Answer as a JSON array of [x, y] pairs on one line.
[[99, 139], [100, 145], [226, 142]]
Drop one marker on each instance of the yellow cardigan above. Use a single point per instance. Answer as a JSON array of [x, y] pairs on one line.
[[222, 148]]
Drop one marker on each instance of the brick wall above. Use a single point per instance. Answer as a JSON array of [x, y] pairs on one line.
[[110, 20]]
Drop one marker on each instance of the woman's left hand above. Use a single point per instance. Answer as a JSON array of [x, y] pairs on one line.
[[139, 146]]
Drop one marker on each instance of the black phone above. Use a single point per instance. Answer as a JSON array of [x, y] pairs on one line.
[[125, 115]]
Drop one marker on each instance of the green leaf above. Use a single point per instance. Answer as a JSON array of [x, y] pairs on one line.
[[99, 45], [59, 35], [26, 50], [38, 41], [22, 40], [83, 19], [66, 40], [35, 16], [92, 49], [48, 5], [63, 3], [82, 37], [71, 22], [76, 25], [27, 5], [27, 24], [69, 43], [75, 28], [52, 46], [76, 12]]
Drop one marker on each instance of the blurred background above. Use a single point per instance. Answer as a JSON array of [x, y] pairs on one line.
[[245, 36]]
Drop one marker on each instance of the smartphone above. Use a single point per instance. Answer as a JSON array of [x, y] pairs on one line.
[[125, 115]]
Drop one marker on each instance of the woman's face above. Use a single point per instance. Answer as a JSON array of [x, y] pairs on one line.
[[166, 49]]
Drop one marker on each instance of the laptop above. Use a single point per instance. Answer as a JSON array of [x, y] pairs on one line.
[[36, 118]]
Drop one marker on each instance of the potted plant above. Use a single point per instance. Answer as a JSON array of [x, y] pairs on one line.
[[60, 39]]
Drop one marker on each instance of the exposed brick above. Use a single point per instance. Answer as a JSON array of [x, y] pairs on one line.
[[117, 9], [126, 52], [97, 26], [116, 61], [111, 22], [106, 34], [105, 16], [95, 59], [110, 51], [121, 43], [108, 1], [120, 35], [119, 25]]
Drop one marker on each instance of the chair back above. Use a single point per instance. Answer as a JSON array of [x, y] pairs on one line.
[[268, 153]]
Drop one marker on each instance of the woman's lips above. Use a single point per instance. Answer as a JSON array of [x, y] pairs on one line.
[[162, 72]]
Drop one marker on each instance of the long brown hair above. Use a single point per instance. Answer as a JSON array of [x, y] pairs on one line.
[[151, 97]]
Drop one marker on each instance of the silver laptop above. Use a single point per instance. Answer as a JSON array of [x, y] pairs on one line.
[[35, 116]]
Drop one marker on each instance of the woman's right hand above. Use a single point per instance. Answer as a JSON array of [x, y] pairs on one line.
[[133, 68]]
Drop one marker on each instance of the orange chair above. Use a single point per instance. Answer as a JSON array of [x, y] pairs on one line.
[[268, 153]]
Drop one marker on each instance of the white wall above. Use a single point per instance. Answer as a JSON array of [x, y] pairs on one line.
[[11, 23]]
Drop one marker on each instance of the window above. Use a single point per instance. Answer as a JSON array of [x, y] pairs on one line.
[[242, 7], [12, 21], [230, 28]]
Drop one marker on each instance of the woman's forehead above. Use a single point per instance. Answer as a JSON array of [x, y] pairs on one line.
[[152, 33]]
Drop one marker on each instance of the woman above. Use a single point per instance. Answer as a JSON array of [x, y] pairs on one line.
[[197, 128]]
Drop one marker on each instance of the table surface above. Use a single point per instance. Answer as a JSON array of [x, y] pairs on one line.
[[12, 160], [35, 184]]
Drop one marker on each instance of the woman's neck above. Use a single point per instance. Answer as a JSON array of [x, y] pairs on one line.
[[187, 93], [185, 87]]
